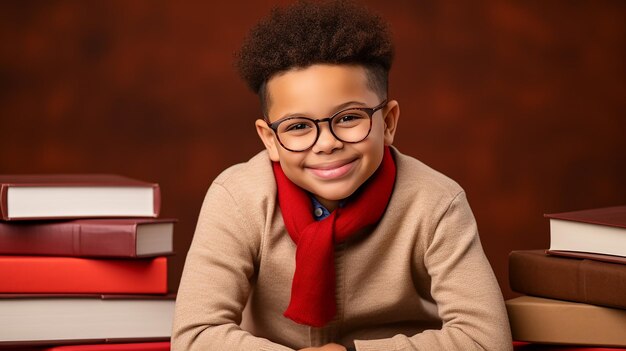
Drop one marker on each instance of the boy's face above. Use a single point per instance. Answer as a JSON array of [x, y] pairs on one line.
[[331, 169]]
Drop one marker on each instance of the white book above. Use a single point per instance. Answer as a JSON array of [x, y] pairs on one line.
[[48, 319], [51, 196], [599, 231]]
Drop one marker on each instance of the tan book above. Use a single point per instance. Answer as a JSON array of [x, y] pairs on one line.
[[541, 320]]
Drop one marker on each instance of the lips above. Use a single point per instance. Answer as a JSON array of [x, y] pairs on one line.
[[333, 170]]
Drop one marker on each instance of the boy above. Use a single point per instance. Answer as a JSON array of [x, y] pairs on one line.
[[331, 239]]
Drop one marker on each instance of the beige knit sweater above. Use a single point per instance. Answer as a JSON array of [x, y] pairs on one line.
[[418, 280]]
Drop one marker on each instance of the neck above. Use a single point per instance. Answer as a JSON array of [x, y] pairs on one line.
[[330, 205]]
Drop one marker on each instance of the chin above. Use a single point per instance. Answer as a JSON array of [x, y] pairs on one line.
[[335, 194]]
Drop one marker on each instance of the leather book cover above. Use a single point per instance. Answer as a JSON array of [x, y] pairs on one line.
[[34, 181], [610, 216], [67, 275], [88, 238], [532, 272], [540, 320]]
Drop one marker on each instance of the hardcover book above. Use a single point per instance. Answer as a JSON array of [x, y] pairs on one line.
[[532, 272], [588, 256], [54, 196], [601, 230], [49, 320], [540, 320], [33, 274], [134, 237]]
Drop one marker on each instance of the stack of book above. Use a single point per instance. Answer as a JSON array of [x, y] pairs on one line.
[[83, 260], [575, 292]]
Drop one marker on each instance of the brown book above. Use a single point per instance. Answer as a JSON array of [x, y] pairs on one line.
[[53, 196], [588, 256], [66, 319], [532, 272], [600, 231], [133, 237], [540, 320]]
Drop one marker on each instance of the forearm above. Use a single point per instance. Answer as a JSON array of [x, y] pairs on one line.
[[220, 337], [444, 339]]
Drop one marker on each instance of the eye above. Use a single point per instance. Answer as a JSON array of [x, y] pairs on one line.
[[297, 127], [349, 119]]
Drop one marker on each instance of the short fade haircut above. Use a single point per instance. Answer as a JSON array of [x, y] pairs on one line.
[[307, 33]]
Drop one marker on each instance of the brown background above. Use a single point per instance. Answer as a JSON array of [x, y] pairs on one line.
[[522, 102]]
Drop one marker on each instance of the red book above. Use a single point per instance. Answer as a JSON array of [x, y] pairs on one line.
[[133, 237], [52, 196], [600, 231], [30, 274]]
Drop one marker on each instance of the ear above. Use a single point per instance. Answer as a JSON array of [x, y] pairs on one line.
[[392, 114], [267, 137]]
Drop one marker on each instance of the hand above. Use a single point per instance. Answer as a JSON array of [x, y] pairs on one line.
[[327, 347]]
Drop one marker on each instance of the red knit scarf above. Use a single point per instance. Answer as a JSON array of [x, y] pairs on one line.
[[313, 287]]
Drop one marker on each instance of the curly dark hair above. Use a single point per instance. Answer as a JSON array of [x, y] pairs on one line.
[[307, 33]]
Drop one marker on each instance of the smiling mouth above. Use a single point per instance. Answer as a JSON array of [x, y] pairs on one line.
[[332, 171]]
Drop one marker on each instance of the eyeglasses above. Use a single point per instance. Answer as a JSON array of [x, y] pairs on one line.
[[351, 125]]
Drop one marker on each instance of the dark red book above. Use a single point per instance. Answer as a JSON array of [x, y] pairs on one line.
[[53, 196], [38, 321], [134, 237], [532, 272], [600, 231], [32, 274]]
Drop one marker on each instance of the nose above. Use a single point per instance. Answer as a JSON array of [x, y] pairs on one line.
[[326, 142]]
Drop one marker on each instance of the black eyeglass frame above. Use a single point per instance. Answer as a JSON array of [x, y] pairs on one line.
[[369, 110]]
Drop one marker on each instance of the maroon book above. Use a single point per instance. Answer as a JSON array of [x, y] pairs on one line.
[[532, 272], [53, 196], [133, 237], [598, 231]]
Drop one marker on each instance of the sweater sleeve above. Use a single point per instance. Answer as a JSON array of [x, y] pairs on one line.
[[216, 280], [466, 292]]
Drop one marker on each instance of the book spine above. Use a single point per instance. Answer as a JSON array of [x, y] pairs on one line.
[[587, 281], [69, 275], [107, 240], [72, 238], [4, 213]]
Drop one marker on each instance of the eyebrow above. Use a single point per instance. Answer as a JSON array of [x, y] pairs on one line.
[[336, 109]]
